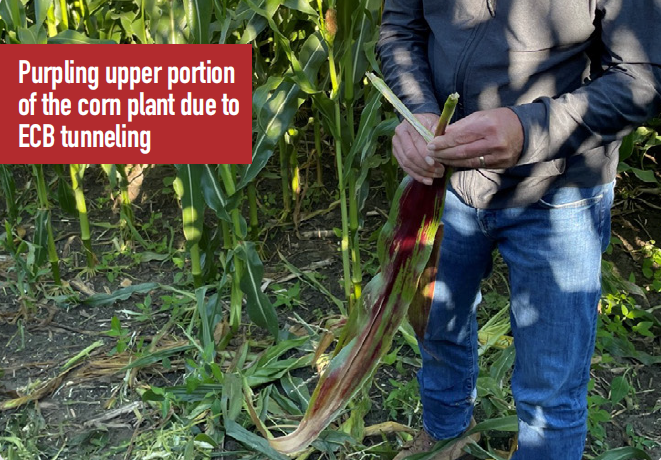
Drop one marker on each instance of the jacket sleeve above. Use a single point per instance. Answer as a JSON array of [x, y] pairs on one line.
[[625, 94], [402, 47]]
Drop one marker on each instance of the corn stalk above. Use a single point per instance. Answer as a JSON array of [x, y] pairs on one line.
[[408, 241], [77, 172], [9, 191], [187, 187], [43, 227]]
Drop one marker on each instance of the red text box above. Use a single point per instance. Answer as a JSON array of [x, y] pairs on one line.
[[126, 104]]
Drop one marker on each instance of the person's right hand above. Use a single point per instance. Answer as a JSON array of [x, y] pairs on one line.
[[410, 150]]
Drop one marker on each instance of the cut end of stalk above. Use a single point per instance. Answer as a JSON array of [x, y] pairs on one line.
[[446, 116]]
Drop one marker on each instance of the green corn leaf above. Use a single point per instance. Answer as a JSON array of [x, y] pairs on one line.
[[262, 94], [40, 11], [9, 191], [502, 364], [364, 21], [189, 178], [65, 196], [198, 17], [71, 37], [157, 356], [256, 17], [624, 453], [508, 423], [302, 6], [251, 440], [232, 396], [82, 354], [98, 300], [260, 309], [167, 21], [41, 237], [276, 351], [35, 35], [296, 390], [12, 13], [279, 110], [214, 194], [619, 389], [369, 120], [286, 404], [277, 370], [207, 334], [475, 450], [300, 76]]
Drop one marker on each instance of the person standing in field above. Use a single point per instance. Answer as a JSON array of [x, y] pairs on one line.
[[548, 89]]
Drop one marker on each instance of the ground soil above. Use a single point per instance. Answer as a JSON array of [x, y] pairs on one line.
[[68, 419]]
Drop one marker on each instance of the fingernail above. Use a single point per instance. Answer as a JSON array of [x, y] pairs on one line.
[[430, 161], [427, 181]]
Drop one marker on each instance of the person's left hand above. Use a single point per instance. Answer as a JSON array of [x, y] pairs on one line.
[[486, 139]]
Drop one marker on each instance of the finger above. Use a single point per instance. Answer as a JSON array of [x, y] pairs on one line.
[[462, 132], [417, 150], [419, 157], [465, 154], [408, 156], [420, 175]]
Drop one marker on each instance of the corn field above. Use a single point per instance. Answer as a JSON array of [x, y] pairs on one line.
[[207, 297]]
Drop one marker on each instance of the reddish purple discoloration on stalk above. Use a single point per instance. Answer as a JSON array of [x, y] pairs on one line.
[[407, 241]]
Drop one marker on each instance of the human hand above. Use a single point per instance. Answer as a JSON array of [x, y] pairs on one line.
[[485, 139], [410, 150]]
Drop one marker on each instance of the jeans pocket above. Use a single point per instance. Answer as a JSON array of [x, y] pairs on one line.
[[571, 197]]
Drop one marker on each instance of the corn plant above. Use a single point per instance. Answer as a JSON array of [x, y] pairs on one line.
[[408, 246], [43, 227], [199, 186], [77, 172], [404, 247], [118, 177]]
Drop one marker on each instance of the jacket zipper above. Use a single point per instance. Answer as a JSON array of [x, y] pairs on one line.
[[460, 79]]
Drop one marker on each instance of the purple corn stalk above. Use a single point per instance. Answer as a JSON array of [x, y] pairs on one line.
[[408, 250]]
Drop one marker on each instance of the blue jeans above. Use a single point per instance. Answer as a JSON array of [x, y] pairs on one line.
[[553, 251]]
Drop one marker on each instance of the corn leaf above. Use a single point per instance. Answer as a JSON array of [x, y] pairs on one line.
[[623, 453], [98, 300], [274, 118], [214, 194], [189, 178], [40, 11], [35, 35], [260, 308], [41, 237], [13, 13], [198, 17], [420, 306], [400, 107], [251, 440], [9, 191], [71, 37]]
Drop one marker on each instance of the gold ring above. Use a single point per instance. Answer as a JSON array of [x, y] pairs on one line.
[[483, 164]]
